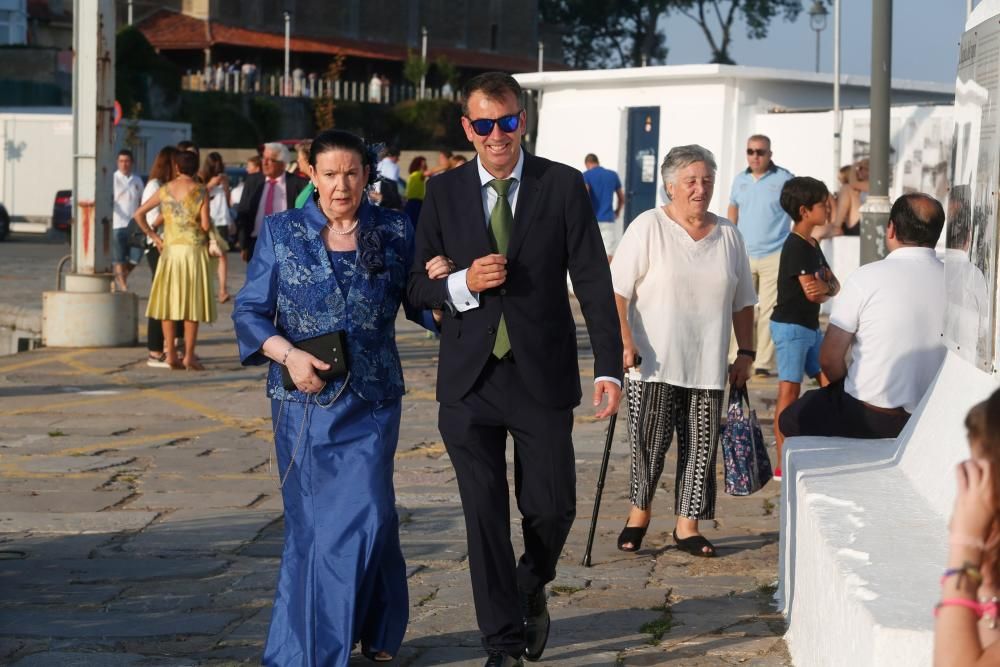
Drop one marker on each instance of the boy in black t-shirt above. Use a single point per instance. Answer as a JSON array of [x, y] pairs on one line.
[[804, 282]]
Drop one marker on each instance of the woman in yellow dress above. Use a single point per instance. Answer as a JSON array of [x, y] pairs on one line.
[[182, 287]]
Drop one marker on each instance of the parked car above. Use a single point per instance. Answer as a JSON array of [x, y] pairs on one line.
[[62, 211], [4, 223]]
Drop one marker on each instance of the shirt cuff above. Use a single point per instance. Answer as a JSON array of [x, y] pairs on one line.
[[458, 292], [605, 378]]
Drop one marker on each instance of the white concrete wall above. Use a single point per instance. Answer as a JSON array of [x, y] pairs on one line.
[[588, 114]]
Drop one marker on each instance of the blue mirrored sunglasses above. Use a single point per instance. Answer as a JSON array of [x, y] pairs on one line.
[[484, 126]]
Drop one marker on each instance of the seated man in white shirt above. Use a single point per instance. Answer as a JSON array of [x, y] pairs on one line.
[[892, 312]]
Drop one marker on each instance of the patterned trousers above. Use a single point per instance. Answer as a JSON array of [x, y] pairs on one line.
[[655, 411]]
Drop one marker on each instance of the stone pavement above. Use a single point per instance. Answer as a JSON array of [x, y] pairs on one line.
[[140, 525]]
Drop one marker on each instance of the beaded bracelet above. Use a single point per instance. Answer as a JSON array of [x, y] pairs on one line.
[[971, 605], [967, 570]]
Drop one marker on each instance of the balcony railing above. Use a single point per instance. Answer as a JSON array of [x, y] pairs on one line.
[[274, 85]]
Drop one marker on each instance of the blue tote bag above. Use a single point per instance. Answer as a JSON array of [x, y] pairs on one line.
[[744, 454]]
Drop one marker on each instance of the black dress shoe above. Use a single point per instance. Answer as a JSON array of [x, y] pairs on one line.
[[501, 659], [536, 623]]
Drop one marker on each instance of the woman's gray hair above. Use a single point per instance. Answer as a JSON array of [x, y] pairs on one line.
[[682, 156], [279, 149]]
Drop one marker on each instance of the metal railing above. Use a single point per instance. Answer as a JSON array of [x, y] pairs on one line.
[[309, 86]]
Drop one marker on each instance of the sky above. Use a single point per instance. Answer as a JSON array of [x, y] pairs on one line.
[[925, 40]]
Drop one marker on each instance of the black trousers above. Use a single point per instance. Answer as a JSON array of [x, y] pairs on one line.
[[475, 434], [831, 411], [154, 330]]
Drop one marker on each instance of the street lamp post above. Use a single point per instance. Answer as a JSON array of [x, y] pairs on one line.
[[130, 12], [286, 89], [541, 54], [817, 21], [837, 122], [423, 60]]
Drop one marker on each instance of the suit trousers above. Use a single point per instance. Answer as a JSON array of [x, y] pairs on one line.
[[475, 432]]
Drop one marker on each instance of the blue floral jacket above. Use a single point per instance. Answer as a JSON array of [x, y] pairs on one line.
[[291, 291]]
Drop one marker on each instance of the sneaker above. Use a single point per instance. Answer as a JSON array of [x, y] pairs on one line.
[[157, 362], [762, 372], [777, 474]]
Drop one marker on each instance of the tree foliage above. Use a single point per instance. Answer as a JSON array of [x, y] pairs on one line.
[[608, 33], [415, 68], [628, 33], [717, 17]]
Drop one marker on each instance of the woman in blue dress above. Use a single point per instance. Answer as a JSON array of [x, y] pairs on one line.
[[338, 263]]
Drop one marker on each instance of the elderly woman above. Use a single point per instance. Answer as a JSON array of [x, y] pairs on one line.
[[682, 283], [338, 264]]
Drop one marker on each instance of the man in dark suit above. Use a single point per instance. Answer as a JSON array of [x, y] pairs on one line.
[[271, 190], [515, 224]]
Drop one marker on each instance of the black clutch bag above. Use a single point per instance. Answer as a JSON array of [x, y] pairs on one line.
[[331, 348]]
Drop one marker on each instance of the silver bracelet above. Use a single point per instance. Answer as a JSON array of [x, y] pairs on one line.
[[284, 357]]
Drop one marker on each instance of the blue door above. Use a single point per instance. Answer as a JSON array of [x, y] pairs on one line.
[[640, 170]]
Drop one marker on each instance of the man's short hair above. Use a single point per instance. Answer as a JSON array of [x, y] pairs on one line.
[[279, 149], [187, 145], [391, 151], [591, 159], [760, 137], [255, 160], [127, 153], [802, 191], [918, 219], [493, 85]]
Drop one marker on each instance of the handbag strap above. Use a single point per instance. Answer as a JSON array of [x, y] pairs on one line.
[[302, 426], [739, 395]]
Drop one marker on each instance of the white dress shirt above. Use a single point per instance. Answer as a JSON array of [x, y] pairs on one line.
[[280, 202], [128, 194]]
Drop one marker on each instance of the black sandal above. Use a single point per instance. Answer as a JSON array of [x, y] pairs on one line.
[[694, 545], [631, 535]]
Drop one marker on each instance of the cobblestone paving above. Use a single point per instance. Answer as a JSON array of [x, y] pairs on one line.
[[140, 525]]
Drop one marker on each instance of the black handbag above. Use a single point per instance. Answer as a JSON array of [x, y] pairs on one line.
[[134, 236], [330, 348]]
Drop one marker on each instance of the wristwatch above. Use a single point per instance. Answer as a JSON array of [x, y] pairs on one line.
[[747, 353]]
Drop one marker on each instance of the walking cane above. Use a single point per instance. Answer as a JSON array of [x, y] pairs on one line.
[[601, 476]]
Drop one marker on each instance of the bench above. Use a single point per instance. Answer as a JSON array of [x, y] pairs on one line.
[[864, 532]]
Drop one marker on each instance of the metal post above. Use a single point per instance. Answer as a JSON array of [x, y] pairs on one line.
[[423, 59], [87, 314], [817, 51], [837, 121], [541, 55], [288, 38], [875, 212], [130, 12]]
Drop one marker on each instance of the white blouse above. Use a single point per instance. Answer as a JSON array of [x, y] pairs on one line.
[[682, 295]]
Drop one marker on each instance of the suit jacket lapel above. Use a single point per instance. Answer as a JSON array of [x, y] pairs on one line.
[[527, 197], [472, 222]]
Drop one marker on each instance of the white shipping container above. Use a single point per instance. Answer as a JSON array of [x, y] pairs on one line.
[[37, 159]]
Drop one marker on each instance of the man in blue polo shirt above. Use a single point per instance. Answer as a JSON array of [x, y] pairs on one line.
[[755, 209], [603, 184]]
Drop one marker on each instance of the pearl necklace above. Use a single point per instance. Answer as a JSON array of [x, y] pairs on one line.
[[329, 226]]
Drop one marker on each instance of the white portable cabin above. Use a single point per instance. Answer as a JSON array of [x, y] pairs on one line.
[[37, 158], [630, 118]]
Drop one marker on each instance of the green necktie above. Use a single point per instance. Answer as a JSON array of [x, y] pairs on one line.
[[501, 222]]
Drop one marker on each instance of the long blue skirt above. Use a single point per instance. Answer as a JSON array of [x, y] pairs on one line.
[[342, 577]]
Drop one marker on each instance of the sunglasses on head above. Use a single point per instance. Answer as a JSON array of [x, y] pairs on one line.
[[759, 152], [484, 126]]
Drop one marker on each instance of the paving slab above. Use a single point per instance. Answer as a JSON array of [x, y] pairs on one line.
[[74, 522], [84, 624], [190, 567]]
